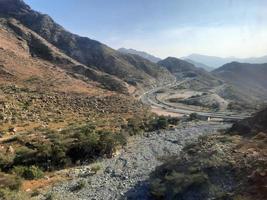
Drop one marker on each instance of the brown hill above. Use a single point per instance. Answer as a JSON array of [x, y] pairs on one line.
[[247, 78], [31, 68], [200, 79], [130, 68], [20, 46]]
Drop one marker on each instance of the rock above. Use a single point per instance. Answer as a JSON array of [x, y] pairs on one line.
[[12, 130], [108, 170], [125, 176]]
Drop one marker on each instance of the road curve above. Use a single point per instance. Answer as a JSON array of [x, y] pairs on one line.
[[148, 98]]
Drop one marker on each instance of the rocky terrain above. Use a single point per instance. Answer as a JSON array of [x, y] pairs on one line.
[[130, 68], [228, 166], [233, 84], [125, 176], [245, 78]]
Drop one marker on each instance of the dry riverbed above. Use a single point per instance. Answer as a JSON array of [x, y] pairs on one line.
[[124, 176]]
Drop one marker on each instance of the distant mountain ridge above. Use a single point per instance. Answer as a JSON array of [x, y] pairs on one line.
[[200, 65], [143, 54], [215, 62]]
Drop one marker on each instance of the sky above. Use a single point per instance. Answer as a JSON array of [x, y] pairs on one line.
[[165, 28]]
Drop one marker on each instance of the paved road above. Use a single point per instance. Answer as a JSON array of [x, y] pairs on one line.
[[149, 98]]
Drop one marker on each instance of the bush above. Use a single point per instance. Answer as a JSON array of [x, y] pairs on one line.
[[162, 123], [135, 126], [173, 185], [7, 194], [80, 185], [28, 173], [193, 116], [5, 161], [95, 168], [10, 182]]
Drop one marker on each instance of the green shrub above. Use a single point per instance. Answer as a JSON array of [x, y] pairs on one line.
[[5, 161], [193, 116], [135, 126], [80, 185], [174, 184], [7, 194], [28, 173], [162, 123], [95, 168], [10, 182]]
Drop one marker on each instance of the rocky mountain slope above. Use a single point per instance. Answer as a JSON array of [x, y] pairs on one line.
[[183, 69], [247, 78], [21, 42], [53, 105], [143, 54], [93, 54], [43, 87], [228, 166]]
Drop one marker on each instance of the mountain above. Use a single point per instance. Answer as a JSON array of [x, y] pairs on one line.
[[176, 66], [242, 90], [214, 61], [92, 54], [140, 53], [247, 78], [200, 65], [200, 78], [56, 110]]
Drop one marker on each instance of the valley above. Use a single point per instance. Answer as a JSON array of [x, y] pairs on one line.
[[80, 120], [160, 98], [126, 175]]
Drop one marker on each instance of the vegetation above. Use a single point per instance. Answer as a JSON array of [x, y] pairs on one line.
[[80, 185], [28, 173], [204, 168], [95, 168], [193, 116], [7, 194], [136, 126]]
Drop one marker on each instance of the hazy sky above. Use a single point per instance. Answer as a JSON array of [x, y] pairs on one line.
[[167, 27]]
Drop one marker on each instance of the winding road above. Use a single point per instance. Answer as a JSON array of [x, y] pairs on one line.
[[149, 98]]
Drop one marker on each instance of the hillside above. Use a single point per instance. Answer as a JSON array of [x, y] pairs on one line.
[[199, 78], [226, 166], [251, 126], [247, 78], [95, 55], [237, 93], [143, 54], [41, 86], [54, 107]]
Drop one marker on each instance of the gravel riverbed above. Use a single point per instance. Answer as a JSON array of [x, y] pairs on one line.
[[124, 176]]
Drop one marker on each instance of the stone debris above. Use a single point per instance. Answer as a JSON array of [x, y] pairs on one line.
[[124, 176]]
